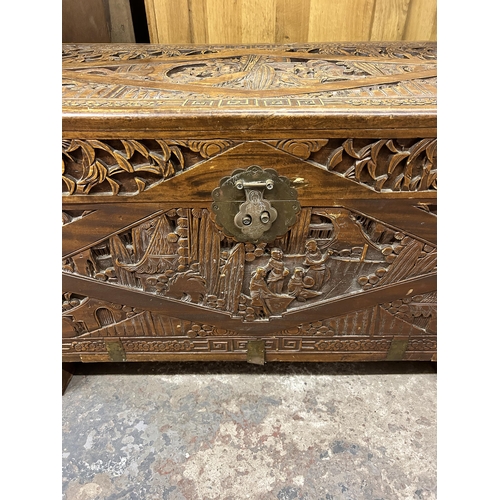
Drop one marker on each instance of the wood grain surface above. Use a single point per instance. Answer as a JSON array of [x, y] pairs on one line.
[[290, 21]]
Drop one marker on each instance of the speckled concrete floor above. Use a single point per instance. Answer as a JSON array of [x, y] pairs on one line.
[[236, 431]]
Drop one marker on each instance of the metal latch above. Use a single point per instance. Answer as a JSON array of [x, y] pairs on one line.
[[255, 205]]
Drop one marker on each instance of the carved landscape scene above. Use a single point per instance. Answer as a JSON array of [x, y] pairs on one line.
[[326, 74], [328, 254]]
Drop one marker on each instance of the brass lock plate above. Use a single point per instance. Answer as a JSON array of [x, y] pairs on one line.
[[255, 205]]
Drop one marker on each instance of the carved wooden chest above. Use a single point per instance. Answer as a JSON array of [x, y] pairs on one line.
[[256, 203]]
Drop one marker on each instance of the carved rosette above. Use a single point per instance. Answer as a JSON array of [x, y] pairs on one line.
[[353, 345], [158, 346]]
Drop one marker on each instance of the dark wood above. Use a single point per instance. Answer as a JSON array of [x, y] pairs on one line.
[[85, 21], [97, 21], [150, 131], [67, 375]]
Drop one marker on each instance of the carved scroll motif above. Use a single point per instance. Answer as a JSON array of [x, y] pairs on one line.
[[302, 148], [329, 253], [353, 345], [131, 346], [158, 346]]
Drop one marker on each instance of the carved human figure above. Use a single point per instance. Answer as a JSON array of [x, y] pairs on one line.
[[315, 261], [224, 256], [276, 271], [299, 285], [259, 290]]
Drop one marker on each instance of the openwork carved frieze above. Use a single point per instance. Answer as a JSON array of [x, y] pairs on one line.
[[394, 165], [127, 167]]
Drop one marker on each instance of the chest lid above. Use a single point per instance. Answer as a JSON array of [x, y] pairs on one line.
[[142, 90]]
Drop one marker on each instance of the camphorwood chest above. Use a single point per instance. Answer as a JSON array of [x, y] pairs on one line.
[[260, 203]]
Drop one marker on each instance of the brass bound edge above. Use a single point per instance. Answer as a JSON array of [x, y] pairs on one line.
[[256, 352], [115, 350], [397, 349]]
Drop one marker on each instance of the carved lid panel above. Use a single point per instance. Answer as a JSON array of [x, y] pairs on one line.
[[314, 86]]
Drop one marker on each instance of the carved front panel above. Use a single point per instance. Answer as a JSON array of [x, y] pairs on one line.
[[168, 281], [342, 266]]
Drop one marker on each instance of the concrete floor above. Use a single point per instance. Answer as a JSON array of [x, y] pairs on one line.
[[230, 431]]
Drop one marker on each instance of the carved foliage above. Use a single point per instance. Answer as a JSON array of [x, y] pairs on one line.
[[124, 167], [81, 53], [387, 164], [398, 50], [127, 167]]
